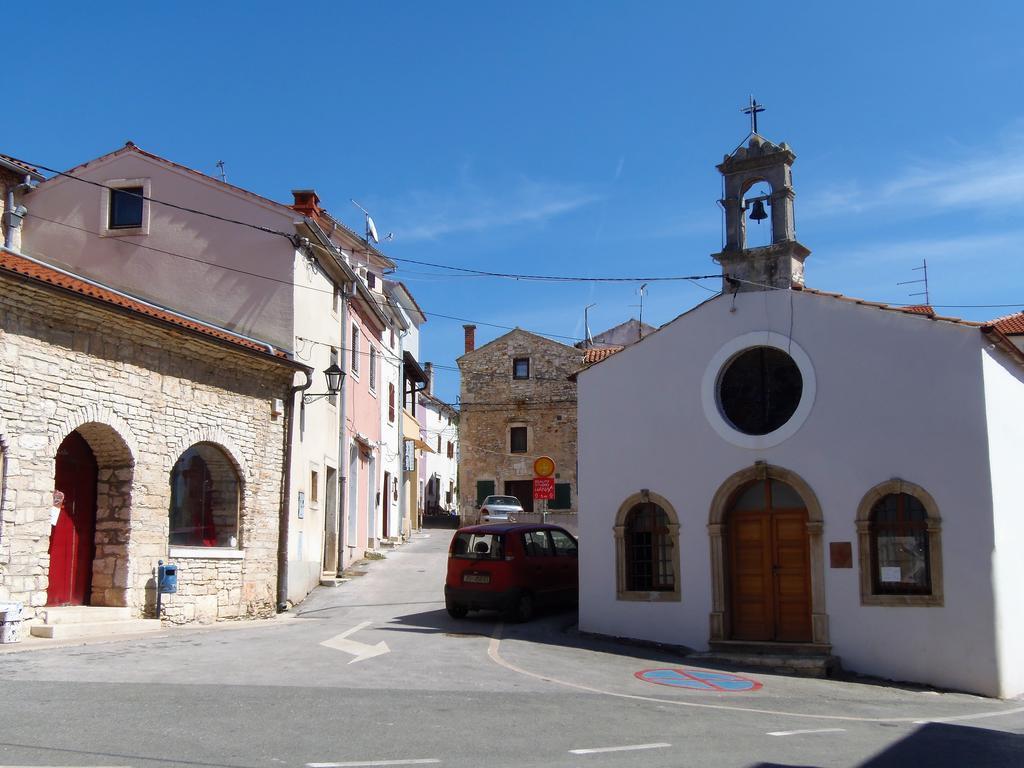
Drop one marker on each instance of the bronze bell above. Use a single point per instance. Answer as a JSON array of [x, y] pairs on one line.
[[757, 212]]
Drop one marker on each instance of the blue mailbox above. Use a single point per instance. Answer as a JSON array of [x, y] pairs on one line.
[[167, 578]]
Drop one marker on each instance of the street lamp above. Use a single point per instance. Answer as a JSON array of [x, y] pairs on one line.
[[334, 376]]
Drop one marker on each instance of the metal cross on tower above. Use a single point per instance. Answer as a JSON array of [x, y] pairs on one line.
[[752, 109]]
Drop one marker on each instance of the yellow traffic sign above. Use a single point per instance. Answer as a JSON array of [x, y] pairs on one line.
[[544, 467]]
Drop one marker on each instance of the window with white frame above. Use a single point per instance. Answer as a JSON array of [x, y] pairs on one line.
[[355, 350], [373, 368]]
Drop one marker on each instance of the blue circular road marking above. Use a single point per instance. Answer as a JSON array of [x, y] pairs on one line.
[[698, 679]]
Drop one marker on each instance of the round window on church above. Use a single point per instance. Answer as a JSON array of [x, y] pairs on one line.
[[759, 390]]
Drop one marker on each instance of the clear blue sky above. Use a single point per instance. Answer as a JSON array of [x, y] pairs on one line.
[[575, 138]]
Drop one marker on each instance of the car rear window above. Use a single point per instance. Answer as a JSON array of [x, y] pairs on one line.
[[479, 546], [504, 500]]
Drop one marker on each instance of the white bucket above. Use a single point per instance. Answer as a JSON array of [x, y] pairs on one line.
[[10, 622]]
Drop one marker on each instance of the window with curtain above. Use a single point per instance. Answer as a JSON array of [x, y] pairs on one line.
[[205, 499]]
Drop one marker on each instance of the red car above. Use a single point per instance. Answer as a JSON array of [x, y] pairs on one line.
[[512, 568]]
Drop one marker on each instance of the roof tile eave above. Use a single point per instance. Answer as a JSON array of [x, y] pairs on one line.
[[29, 269]]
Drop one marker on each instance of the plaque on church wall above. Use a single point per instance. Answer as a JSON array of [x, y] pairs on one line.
[[840, 554]]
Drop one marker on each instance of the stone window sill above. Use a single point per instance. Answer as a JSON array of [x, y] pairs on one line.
[[650, 597], [207, 553], [903, 601]]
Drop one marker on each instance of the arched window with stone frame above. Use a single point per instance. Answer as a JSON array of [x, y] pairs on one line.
[[647, 549], [899, 546], [206, 493]]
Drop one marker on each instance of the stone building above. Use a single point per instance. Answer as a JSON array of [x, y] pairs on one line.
[[131, 434], [517, 404]]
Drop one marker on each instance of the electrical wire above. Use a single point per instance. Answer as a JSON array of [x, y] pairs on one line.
[[279, 280], [259, 228], [291, 237]]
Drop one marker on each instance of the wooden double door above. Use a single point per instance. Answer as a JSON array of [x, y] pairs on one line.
[[769, 565]]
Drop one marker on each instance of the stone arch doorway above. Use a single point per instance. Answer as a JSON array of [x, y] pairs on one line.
[[767, 559], [89, 542]]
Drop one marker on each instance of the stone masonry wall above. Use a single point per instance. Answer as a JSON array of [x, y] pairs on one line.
[[492, 402], [140, 394]]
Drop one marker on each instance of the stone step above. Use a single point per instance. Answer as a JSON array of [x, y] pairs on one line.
[[801, 665], [76, 614], [64, 630], [332, 581], [751, 647]]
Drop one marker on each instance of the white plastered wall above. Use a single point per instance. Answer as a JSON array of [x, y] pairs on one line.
[[315, 433], [896, 396], [1004, 397]]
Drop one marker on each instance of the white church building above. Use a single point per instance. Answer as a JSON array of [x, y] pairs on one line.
[[782, 470]]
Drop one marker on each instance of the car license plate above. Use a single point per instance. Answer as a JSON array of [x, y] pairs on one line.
[[477, 578]]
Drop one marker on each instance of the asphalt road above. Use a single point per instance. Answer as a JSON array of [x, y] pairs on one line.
[[374, 672]]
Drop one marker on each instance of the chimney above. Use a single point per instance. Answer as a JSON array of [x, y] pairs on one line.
[[429, 369], [470, 337], [306, 202]]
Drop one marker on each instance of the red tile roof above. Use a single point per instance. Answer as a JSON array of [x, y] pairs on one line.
[[28, 268], [1011, 325], [592, 356], [20, 165], [920, 309]]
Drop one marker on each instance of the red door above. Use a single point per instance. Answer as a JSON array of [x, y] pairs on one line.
[[72, 539]]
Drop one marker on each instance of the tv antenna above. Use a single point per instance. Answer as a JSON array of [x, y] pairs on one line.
[[371, 228], [640, 327], [924, 269], [586, 326], [223, 175]]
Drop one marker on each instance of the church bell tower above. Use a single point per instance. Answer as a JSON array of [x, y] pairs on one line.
[[781, 263]]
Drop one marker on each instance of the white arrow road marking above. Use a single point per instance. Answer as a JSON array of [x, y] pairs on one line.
[[617, 749], [361, 651], [798, 733]]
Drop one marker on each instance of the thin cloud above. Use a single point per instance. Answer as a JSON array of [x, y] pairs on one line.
[[471, 209], [989, 180], [950, 250]]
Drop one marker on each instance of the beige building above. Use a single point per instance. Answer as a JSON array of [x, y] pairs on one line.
[[130, 434], [517, 404]]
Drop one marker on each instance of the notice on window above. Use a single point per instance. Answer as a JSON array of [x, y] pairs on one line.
[[893, 574]]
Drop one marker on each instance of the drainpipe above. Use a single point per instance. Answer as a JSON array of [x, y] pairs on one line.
[[14, 215], [284, 516], [403, 500], [342, 505]]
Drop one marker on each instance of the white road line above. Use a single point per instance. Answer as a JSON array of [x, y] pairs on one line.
[[425, 761], [617, 749], [494, 652], [800, 733]]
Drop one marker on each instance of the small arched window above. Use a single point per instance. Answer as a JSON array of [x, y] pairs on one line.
[[648, 544], [899, 546], [899, 532], [205, 496]]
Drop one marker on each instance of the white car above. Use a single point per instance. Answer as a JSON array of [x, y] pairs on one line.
[[500, 509]]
